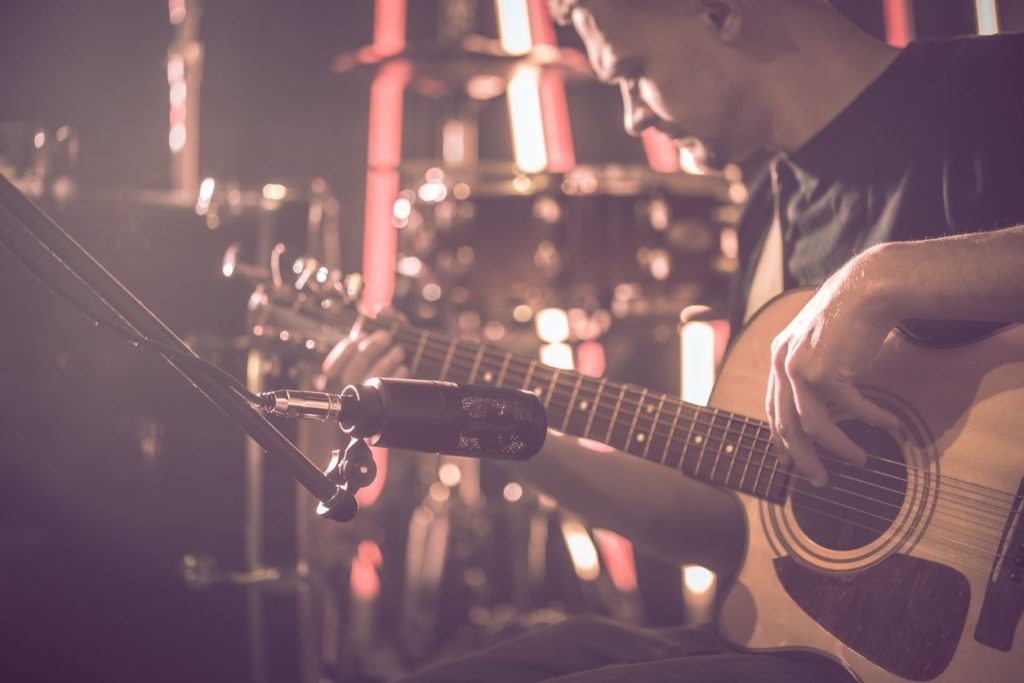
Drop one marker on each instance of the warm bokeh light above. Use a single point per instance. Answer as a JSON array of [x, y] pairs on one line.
[[698, 366], [527, 120], [552, 325], [899, 22], [581, 549], [449, 474], [514, 26], [988, 17], [557, 356]]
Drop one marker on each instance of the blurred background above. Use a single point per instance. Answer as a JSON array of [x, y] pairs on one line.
[[234, 162]]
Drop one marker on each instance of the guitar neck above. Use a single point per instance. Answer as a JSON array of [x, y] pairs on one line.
[[717, 447]]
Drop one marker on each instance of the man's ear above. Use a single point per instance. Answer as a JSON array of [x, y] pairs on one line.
[[722, 16]]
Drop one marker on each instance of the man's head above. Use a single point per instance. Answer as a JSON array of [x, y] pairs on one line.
[[707, 70]]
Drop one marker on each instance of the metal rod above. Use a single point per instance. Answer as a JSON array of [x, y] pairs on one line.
[[42, 244]]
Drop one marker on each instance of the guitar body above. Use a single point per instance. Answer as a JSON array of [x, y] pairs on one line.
[[908, 587]]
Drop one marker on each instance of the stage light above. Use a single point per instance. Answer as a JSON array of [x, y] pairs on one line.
[[513, 492], [527, 121], [581, 549], [449, 474], [988, 17], [557, 356], [522, 313], [274, 192], [552, 325], [514, 26], [176, 137], [698, 361]]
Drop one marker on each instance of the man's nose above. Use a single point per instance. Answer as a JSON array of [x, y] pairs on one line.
[[637, 116]]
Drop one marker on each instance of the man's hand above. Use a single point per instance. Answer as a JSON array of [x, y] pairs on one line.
[[361, 356], [815, 361]]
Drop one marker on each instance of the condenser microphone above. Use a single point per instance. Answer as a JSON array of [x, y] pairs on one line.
[[417, 415]]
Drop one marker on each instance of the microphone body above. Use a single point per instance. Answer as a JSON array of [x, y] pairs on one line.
[[437, 417]]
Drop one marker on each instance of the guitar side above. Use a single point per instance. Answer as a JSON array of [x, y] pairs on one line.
[[906, 605]]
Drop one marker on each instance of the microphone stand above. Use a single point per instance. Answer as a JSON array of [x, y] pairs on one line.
[[46, 249]]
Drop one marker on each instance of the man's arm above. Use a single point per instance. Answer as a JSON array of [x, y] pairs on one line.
[[817, 358]]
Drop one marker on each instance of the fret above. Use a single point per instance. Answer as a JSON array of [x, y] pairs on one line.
[[653, 429], [736, 453], [503, 370], [721, 446], [476, 364], [488, 374], [760, 463], [701, 439], [615, 413], [688, 442], [447, 360], [414, 367], [571, 407], [671, 433], [582, 406], [769, 494], [529, 375], [593, 408], [551, 388], [636, 416]]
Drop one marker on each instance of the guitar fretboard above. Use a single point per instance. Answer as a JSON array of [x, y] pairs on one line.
[[718, 447]]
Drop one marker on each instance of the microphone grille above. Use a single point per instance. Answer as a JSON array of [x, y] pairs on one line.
[[501, 423]]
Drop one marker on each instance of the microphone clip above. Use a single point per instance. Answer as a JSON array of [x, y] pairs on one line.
[[350, 471]]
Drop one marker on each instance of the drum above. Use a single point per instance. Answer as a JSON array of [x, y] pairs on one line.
[[617, 238]]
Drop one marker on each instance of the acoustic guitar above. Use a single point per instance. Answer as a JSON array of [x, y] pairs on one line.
[[910, 568]]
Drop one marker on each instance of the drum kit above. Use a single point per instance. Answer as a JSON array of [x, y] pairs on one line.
[[450, 554]]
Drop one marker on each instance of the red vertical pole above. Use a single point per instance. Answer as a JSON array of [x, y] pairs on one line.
[[899, 21], [553, 103], [662, 153], [384, 155]]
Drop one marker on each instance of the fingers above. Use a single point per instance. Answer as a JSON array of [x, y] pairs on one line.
[[799, 415], [817, 424], [788, 431], [847, 397]]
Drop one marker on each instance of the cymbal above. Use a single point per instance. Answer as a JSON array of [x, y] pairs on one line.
[[441, 69]]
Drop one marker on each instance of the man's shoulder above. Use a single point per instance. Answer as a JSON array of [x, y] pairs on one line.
[[973, 60]]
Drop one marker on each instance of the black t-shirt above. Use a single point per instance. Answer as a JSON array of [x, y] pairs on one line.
[[934, 146]]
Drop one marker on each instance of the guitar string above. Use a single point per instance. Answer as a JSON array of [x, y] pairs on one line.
[[940, 514], [755, 437], [449, 357], [632, 407]]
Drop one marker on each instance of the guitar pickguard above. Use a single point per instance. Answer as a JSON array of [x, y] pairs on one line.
[[905, 614]]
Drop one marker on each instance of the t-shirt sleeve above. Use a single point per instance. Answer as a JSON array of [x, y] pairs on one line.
[[983, 173]]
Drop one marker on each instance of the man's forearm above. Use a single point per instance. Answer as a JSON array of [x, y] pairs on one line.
[[978, 276]]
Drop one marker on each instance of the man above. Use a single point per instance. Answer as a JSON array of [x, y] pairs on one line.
[[872, 145]]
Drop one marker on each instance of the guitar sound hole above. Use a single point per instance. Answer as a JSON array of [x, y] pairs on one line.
[[859, 503]]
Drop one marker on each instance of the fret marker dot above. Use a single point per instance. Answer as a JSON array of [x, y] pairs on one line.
[[538, 391], [641, 438], [584, 405], [649, 409], [488, 376], [729, 448], [698, 439]]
